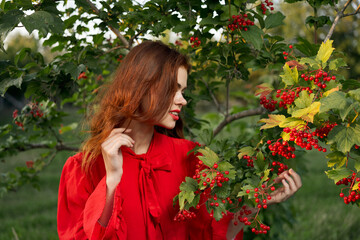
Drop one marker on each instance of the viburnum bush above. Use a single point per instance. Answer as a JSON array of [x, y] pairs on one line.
[[308, 105]]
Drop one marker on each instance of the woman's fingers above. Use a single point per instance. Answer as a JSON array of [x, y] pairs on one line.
[[296, 178], [293, 188]]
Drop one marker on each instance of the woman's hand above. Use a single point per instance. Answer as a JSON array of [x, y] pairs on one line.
[[112, 155], [291, 182]]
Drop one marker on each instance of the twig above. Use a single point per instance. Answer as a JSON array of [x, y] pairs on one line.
[[354, 13], [14, 233], [233, 117], [116, 31], [340, 14], [217, 104]]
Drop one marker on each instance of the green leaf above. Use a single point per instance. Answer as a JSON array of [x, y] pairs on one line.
[[325, 51], [355, 94], [69, 127], [185, 196], [304, 100], [6, 83], [8, 22], [274, 20], [259, 163], [254, 36], [345, 111], [317, 21], [189, 185], [337, 63], [249, 151], [291, 76], [209, 158], [338, 174], [226, 15], [335, 100], [336, 158], [226, 166], [344, 137], [310, 61], [357, 165], [44, 22]]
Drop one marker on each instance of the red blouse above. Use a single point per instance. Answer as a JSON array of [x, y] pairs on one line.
[[143, 200]]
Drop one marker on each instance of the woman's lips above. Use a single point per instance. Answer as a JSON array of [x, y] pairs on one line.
[[175, 114]]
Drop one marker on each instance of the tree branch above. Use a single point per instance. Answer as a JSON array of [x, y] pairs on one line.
[[354, 13], [233, 117], [217, 104], [339, 15], [116, 31], [58, 147]]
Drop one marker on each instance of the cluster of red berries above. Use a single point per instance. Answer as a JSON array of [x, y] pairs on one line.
[[210, 175], [195, 42], [287, 97], [29, 164], [281, 148], [266, 5], [214, 201], [261, 195], [286, 53], [184, 215], [264, 230], [32, 110], [268, 103], [243, 213], [15, 114], [324, 131], [320, 78], [281, 167], [304, 139], [240, 22], [354, 195], [250, 160]]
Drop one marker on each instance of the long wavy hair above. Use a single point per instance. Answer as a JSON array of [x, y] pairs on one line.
[[143, 89]]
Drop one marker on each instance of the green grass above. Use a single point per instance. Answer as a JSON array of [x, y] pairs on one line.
[[321, 214], [30, 213]]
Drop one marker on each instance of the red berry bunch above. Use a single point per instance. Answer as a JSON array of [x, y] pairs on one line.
[[15, 115], [268, 103], [288, 96], [214, 201], [264, 230], [324, 131], [281, 148], [184, 215], [210, 176], [29, 164], [120, 58], [261, 195], [320, 78], [354, 195], [266, 5], [286, 54], [250, 160], [304, 139], [195, 42], [240, 22], [83, 75], [36, 111], [281, 167]]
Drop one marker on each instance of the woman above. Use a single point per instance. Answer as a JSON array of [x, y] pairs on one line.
[[122, 184]]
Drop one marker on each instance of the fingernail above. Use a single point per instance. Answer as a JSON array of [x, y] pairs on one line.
[[291, 171]]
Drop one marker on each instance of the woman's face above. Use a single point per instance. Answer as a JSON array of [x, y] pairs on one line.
[[172, 115]]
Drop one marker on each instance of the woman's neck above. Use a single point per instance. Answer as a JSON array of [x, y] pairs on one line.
[[142, 134]]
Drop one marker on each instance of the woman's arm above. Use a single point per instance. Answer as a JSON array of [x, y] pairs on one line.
[[113, 160]]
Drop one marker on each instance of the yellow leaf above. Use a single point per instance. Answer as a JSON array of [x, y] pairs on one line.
[[291, 76], [197, 51], [291, 122], [272, 121], [330, 91], [308, 113], [325, 51], [285, 136], [355, 187]]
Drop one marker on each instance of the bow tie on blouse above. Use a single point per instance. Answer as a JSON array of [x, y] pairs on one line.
[[149, 163]]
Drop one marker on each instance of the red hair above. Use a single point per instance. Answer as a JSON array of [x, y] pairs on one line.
[[143, 89]]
